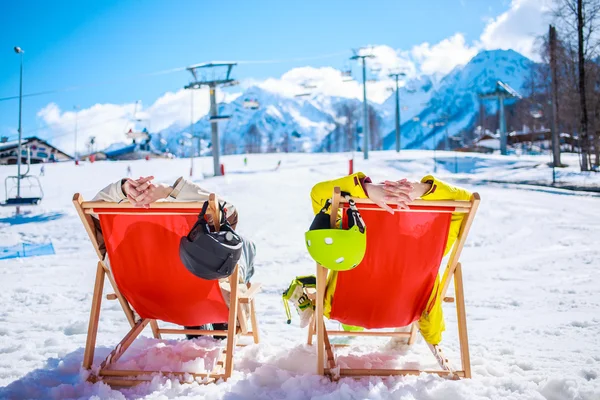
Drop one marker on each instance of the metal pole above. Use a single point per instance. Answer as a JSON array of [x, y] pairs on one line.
[[555, 133], [397, 117], [192, 130], [455, 163], [434, 155], [366, 112], [19, 144], [433, 144], [75, 148], [447, 143], [502, 125], [214, 130]]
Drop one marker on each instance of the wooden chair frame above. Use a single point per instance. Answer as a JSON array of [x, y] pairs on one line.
[[223, 367], [453, 271]]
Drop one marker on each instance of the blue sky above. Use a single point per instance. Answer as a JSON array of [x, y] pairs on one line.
[[112, 43]]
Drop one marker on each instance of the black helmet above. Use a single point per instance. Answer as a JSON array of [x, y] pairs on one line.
[[210, 255]]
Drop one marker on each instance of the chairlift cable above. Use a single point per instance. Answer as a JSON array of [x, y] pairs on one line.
[[164, 72]]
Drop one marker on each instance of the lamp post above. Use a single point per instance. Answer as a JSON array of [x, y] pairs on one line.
[[365, 104], [20, 51], [76, 108]]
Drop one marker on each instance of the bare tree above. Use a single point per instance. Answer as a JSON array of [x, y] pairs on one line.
[[271, 147], [374, 130], [580, 19], [253, 140], [348, 122], [285, 143]]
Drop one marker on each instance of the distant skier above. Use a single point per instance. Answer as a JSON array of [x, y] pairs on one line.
[[245, 161], [129, 170], [278, 165], [42, 170]]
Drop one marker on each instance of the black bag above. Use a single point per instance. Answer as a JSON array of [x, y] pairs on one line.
[[210, 255]]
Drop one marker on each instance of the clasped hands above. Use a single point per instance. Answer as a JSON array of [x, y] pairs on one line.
[[399, 193], [141, 192]]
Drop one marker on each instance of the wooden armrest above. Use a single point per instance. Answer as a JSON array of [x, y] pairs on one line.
[[249, 295]]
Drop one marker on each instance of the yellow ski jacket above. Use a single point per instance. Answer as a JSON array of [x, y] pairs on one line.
[[431, 323]]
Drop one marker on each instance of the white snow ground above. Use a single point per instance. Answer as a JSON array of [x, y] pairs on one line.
[[531, 269]]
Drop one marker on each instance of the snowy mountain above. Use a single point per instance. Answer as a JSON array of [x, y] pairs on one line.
[[456, 101], [325, 123], [301, 122]]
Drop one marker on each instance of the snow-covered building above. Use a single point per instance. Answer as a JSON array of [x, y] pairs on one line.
[[40, 151]]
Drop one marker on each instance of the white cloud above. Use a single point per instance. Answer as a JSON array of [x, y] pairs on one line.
[[326, 80], [442, 57], [517, 28], [109, 122], [391, 60]]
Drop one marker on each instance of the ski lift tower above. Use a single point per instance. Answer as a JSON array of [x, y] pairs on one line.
[[213, 75], [357, 56], [502, 92]]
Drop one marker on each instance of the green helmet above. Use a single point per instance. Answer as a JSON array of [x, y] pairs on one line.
[[337, 249]]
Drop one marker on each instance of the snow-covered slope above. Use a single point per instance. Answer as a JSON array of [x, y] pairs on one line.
[[530, 264]]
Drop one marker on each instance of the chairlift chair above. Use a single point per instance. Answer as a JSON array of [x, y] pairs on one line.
[[251, 104], [376, 68], [347, 70], [536, 111], [217, 118], [35, 188], [34, 185]]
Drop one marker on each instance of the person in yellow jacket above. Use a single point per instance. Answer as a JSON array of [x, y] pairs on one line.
[[399, 194]]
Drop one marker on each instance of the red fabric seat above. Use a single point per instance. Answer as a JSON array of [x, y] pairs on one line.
[[392, 284], [144, 258]]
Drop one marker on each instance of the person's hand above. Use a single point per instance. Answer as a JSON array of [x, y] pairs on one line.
[[390, 192], [135, 188], [142, 192], [151, 194]]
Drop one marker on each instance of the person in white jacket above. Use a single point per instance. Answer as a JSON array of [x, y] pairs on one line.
[[143, 191]]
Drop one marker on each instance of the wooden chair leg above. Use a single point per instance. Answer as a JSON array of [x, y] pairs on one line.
[[255, 332], [436, 350], [155, 330], [330, 356], [311, 330], [413, 334], [90, 343], [320, 323], [125, 343], [232, 328], [242, 318], [462, 321]]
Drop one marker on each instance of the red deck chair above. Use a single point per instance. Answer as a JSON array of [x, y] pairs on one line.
[[147, 276], [402, 261]]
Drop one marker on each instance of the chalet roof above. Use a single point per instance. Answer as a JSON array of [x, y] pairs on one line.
[[13, 144]]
